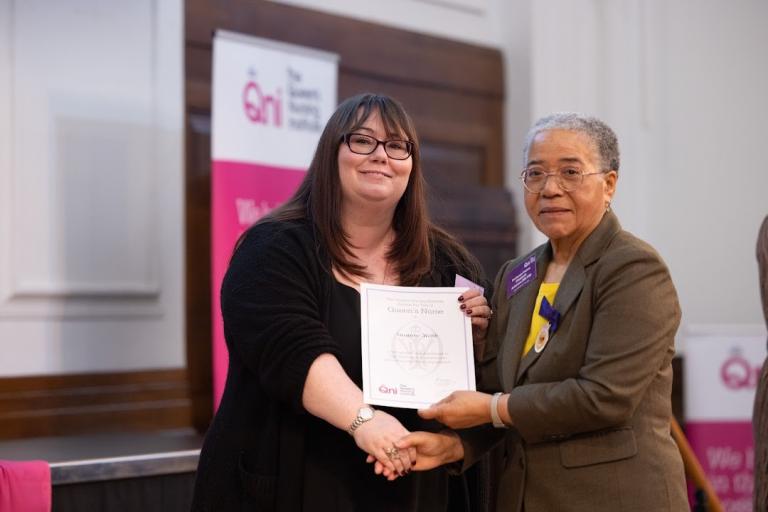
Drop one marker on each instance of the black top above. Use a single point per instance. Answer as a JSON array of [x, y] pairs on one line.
[[281, 310], [336, 476]]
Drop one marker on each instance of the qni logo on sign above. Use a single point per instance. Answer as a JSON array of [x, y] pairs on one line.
[[259, 107], [736, 372]]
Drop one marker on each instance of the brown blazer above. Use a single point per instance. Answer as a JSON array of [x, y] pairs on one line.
[[591, 411]]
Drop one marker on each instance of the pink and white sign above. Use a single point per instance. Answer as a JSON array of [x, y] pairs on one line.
[[720, 379], [270, 103]]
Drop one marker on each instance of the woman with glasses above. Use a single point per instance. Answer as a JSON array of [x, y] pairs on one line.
[[579, 351], [292, 431]]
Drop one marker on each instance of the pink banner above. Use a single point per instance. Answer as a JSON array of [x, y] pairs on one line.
[[241, 193], [726, 453]]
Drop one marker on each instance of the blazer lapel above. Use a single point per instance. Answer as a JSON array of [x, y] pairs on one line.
[[519, 321], [569, 289], [573, 282]]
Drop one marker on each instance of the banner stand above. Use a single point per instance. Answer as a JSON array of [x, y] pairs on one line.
[[270, 103]]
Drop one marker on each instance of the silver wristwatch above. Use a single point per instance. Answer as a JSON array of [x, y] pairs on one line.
[[364, 414]]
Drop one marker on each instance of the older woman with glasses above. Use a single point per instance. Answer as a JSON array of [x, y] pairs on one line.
[[579, 350], [292, 432]]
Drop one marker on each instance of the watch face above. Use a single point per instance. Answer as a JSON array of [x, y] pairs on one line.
[[365, 413]]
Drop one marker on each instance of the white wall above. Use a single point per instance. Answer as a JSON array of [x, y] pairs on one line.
[[91, 184], [685, 85], [715, 82]]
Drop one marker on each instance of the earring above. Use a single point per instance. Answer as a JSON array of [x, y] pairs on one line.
[[607, 206]]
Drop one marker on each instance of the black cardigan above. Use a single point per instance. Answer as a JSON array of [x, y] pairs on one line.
[[275, 303]]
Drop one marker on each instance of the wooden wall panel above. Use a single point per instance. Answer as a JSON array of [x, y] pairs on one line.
[[198, 254], [383, 53], [89, 403], [448, 117]]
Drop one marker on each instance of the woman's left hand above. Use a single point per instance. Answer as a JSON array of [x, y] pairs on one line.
[[474, 305], [460, 409]]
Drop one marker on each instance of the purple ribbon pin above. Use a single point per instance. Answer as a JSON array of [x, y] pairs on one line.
[[550, 314]]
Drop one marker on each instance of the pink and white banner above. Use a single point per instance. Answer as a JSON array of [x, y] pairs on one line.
[[270, 103], [720, 379]]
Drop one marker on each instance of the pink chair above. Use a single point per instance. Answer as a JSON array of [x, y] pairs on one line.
[[25, 486]]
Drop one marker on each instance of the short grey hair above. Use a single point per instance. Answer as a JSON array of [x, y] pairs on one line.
[[601, 135]]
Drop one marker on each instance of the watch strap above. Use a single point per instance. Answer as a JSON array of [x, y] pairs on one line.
[[359, 419], [495, 418]]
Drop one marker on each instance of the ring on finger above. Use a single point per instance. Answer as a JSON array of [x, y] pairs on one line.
[[392, 452]]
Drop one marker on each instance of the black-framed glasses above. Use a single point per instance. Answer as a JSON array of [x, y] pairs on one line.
[[568, 178], [365, 145]]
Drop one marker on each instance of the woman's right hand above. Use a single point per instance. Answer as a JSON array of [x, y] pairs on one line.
[[433, 448], [476, 307], [377, 437]]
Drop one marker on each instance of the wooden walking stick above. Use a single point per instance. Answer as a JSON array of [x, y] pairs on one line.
[[693, 468]]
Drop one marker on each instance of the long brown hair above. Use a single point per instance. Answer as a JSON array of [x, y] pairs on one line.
[[319, 197]]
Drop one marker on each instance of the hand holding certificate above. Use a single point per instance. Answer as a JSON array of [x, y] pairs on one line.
[[416, 345]]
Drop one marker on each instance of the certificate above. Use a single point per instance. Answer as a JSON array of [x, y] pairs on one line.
[[416, 345]]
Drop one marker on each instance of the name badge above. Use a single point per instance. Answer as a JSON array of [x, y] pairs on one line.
[[521, 275]]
